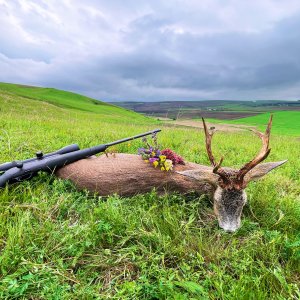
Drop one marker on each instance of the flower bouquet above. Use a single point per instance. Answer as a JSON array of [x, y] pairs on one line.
[[163, 159]]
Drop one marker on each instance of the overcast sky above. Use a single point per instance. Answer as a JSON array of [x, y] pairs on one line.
[[117, 50]]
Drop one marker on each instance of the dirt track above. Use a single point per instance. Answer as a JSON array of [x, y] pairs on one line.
[[221, 127]]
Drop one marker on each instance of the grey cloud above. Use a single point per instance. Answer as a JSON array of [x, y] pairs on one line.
[[153, 51]]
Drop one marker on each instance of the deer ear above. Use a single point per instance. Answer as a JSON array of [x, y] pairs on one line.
[[262, 169], [206, 176]]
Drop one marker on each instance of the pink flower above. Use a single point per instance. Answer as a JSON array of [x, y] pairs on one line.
[[175, 158]]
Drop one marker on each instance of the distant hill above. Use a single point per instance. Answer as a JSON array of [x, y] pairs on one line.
[[218, 109]]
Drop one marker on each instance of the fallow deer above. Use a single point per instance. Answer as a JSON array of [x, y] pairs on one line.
[[229, 184], [128, 174]]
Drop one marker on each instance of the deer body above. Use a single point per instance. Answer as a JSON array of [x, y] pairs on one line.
[[128, 174]]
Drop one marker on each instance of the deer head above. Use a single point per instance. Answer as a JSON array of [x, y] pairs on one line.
[[229, 196]]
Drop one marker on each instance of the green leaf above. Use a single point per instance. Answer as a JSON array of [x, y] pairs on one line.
[[191, 287]]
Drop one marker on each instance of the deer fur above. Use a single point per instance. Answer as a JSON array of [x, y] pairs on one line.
[[128, 175]]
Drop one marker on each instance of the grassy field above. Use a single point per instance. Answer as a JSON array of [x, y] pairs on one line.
[[285, 122], [59, 243]]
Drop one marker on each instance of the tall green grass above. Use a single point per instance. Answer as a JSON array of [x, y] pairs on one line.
[[60, 243]]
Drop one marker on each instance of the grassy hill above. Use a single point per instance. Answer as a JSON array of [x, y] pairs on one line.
[[59, 243], [69, 100]]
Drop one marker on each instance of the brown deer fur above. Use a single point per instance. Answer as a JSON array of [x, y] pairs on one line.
[[128, 174]]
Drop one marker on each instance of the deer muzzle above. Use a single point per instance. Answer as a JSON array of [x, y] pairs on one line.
[[228, 206]]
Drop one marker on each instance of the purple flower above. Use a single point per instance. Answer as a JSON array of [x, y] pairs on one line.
[[152, 159], [141, 150]]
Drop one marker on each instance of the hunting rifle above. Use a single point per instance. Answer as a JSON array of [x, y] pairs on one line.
[[17, 171]]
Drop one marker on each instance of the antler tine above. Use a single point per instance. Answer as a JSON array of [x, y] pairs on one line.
[[208, 138], [264, 152], [218, 166]]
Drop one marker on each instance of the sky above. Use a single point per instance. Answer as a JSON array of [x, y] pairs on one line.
[[154, 50]]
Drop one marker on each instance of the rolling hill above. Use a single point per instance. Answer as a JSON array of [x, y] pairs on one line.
[[217, 109], [69, 100]]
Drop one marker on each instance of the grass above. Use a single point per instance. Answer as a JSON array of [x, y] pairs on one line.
[[60, 243], [284, 122]]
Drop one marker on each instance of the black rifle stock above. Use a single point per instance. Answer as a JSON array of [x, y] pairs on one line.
[[17, 171]]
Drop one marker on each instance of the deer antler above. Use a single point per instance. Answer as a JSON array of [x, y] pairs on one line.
[[208, 137], [262, 155], [236, 177]]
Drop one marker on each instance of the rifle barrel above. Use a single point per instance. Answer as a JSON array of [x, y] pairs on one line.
[[133, 137]]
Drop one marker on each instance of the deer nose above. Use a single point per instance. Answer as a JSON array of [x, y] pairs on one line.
[[229, 227]]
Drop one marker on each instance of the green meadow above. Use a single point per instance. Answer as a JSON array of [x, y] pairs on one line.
[[284, 122], [60, 243]]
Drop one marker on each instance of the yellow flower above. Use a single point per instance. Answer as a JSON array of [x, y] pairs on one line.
[[146, 160], [155, 163], [162, 168], [162, 157], [168, 164]]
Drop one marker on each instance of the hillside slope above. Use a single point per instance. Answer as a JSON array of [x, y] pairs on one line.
[[68, 100]]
